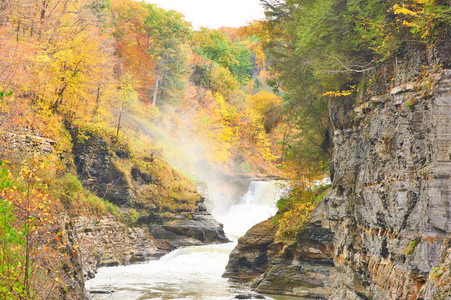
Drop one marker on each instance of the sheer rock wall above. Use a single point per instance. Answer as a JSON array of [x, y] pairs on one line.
[[390, 206], [389, 213]]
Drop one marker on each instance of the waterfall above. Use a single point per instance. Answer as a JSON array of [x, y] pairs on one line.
[[192, 272], [257, 205]]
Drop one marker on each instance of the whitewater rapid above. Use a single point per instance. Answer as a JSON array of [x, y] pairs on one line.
[[191, 272]]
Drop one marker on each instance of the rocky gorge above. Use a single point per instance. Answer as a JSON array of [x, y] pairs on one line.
[[383, 230], [381, 233], [144, 226], [116, 176]]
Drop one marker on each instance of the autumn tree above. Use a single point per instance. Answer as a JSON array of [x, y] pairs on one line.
[[124, 101], [168, 32], [131, 44], [68, 62], [36, 257]]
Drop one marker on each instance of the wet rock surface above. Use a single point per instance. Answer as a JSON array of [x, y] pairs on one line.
[[303, 269], [249, 296], [250, 259]]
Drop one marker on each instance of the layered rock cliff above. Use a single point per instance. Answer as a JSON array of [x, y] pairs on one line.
[[391, 180], [105, 242], [385, 227]]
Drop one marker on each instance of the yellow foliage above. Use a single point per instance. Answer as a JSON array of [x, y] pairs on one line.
[[336, 94], [220, 132], [262, 101], [418, 15], [404, 10], [223, 81], [233, 132], [296, 210]]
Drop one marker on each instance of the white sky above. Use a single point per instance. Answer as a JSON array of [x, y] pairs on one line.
[[215, 13]]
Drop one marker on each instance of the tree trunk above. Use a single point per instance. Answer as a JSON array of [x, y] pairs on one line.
[[59, 100], [96, 108], [119, 120], [284, 142], [155, 92], [26, 280], [157, 82]]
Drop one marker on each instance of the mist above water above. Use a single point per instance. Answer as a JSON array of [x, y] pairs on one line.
[[187, 273], [186, 153]]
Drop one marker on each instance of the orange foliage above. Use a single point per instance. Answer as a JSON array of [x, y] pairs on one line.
[[132, 43], [15, 57], [262, 30]]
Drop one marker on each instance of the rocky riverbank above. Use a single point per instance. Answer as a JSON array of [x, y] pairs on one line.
[[106, 242], [171, 213], [157, 209], [250, 257], [303, 268]]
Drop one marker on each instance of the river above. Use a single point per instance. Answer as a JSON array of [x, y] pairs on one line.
[[192, 272]]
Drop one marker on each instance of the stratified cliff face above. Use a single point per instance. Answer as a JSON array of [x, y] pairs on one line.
[[389, 212], [390, 206]]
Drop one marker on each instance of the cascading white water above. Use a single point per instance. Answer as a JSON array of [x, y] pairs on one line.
[[257, 205], [191, 272]]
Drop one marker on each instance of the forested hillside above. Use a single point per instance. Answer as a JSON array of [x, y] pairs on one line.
[[88, 64], [96, 97]]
